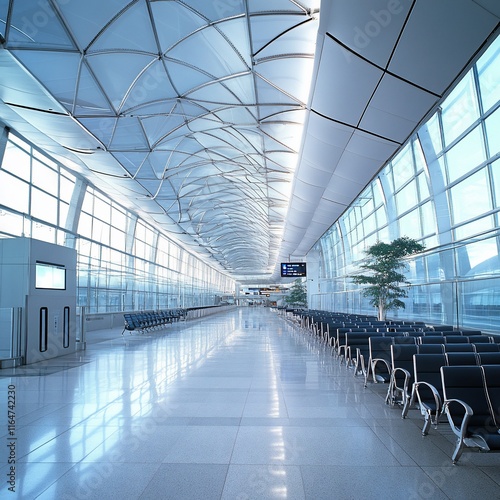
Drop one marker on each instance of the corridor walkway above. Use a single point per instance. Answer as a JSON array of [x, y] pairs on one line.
[[235, 406]]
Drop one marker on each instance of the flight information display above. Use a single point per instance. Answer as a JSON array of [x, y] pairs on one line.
[[293, 269]]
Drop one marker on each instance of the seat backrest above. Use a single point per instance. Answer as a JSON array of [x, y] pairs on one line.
[[443, 328], [492, 380], [359, 340], [461, 358], [380, 347], [404, 340], [471, 333], [486, 347], [431, 339], [427, 368], [454, 339], [430, 349], [136, 320], [489, 358], [415, 333], [480, 339], [467, 383], [459, 347], [402, 357]]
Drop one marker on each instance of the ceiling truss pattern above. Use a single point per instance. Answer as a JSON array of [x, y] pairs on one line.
[[192, 110]]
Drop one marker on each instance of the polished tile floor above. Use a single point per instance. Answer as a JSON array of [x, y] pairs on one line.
[[238, 405]]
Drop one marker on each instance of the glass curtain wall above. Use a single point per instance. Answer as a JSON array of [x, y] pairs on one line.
[[443, 189], [124, 263]]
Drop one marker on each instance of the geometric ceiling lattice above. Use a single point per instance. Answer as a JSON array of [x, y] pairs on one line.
[[243, 128]]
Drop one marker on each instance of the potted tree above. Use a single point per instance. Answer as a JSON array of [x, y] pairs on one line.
[[297, 295], [385, 264]]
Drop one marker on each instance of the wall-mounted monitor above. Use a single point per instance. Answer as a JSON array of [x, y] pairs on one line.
[[50, 276], [293, 269]]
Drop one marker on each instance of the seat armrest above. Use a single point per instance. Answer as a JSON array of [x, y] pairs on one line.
[[407, 377], [381, 360], [435, 394], [467, 414]]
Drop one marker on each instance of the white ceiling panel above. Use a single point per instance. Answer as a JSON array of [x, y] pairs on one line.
[[396, 108], [371, 146], [328, 131], [439, 40], [323, 156], [355, 165], [344, 85], [371, 31]]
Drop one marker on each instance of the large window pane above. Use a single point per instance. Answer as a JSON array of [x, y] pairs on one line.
[[12, 224], [478, 258], [460, 110], [17, 161], [434, 130], [479, 226], [63, 213], [88, 201], [66, 188], [14, 193], [118, 219], [370, 224], [409, 225], [102, 209], [45, 178], [381, 217], [403, 168], [85, 225], [428, 218], [407, 198], [471, 197], [423, 186], [100, 232], [466, 155], [493, 133], [43, 232], [488, 68], [495, 171], [117, 239]]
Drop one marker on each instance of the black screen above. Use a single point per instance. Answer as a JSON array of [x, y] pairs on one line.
[[293, 269]]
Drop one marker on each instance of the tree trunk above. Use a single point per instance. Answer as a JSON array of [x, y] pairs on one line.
[[381, 310]]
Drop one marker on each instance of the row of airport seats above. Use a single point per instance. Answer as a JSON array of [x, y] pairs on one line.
[[426, 368], [464, 387], [360, 348], [147, 321]]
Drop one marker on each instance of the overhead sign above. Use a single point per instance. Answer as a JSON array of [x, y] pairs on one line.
[[293, 269]]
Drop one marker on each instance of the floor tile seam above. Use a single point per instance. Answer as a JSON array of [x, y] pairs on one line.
[[66, 429], [55, 480], [238, 430], [146, 486], [434, 484], [22, 458], [400, 447]]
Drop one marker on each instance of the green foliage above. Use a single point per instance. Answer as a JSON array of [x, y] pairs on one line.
[[385, 264], [297, 295]]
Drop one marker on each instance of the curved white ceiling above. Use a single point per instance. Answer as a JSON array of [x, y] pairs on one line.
[[381, 67], [191, 112]]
